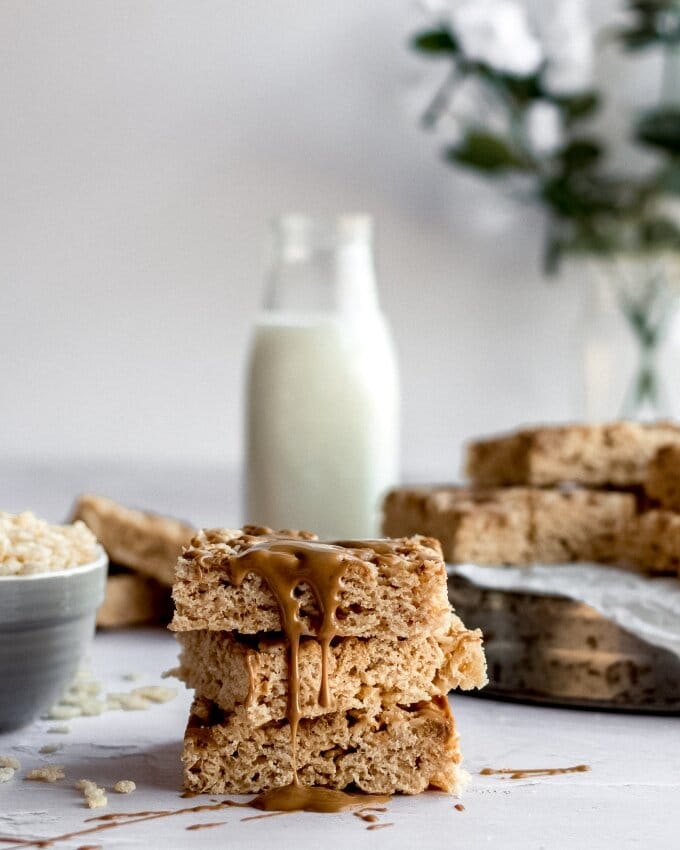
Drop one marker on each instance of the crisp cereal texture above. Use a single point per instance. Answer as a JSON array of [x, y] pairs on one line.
[[663, 478], [30, 545], [596, 455], [144, 542], [513, 526], [48, 773], [652, 543], [363, 673], [95, 796], [125, 786], [398, 750], [133, 600], [398, 594]]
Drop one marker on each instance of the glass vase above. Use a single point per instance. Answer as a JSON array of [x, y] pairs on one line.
[[631, 307]]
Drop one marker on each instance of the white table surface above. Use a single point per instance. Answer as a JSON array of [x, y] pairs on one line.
[[630, 798]]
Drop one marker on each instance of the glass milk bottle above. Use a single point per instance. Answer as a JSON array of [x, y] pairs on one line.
[[322, 428]]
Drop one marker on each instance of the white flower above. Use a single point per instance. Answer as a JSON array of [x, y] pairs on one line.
[[543, 128], [567, 37], [497, 33]]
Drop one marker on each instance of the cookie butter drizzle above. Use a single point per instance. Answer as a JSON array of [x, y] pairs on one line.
[[527, 773], [285, 565], [112, 820]]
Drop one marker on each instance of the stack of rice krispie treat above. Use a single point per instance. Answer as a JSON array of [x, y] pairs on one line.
[[597, 493], [321, 664]]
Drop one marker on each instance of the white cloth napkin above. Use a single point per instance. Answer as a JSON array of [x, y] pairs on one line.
[[646, 607]]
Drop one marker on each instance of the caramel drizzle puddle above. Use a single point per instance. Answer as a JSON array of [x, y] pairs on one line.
[[285, 565], [524, 773]]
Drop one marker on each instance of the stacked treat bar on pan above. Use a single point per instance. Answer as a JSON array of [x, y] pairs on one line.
[[598, 493], [319, 664], [143, 549]]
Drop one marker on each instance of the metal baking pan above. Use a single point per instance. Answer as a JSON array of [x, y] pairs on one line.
[[549, 649]]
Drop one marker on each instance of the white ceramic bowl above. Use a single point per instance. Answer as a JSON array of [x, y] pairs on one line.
[[47, 622]]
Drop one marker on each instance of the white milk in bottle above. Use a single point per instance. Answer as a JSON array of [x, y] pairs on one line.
[[323, 399]]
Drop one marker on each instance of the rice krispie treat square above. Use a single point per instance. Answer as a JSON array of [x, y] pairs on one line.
[[652, 543], [596, 455], [401, 749], [663, 478], [513, 526], [131, 600], [363, 673], [487, 527], [389, 587], [144, 542]]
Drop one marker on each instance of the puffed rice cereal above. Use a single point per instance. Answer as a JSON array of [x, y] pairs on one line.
[[31, 545]]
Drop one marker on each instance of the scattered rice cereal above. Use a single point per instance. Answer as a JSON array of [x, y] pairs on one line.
[[31, 545], [125, 786], [48, 773], [6, 773], [127, 702], [10, 761], [48, 749], [95, 797], [139, 699], [83, 699], [63, 712], [156, 693]]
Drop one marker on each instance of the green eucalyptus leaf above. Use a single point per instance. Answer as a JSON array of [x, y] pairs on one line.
[[485, 152], [660, 232], [434, 42], [581, 154], [660, 128], [654, 22], [519, 90], [578, 106]]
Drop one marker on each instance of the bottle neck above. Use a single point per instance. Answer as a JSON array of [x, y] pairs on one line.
[[319, 268]]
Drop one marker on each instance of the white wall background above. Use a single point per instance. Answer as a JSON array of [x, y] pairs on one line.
[[144, 144]]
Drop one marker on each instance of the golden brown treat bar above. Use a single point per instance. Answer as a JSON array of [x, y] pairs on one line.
[[597, 455], [513, 526], [399, 749], [363, 673], [389, 588], [663, 478], [133, 600], [144, 542], [652, 543]]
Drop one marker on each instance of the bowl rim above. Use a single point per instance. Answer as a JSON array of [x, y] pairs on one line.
[[100, 561]]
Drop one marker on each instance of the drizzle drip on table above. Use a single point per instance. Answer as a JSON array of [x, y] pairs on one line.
[[526, 773]]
